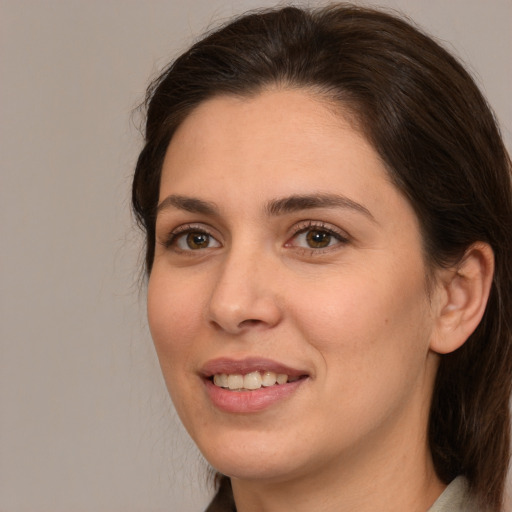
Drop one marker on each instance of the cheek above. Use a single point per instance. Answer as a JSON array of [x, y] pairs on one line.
[[174, 321], [373, 342], [173, 315], [370, 324]]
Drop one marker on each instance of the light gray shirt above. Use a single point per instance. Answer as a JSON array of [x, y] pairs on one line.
[[455, 498]]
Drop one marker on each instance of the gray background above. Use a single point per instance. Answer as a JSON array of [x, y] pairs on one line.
[[85, 423]]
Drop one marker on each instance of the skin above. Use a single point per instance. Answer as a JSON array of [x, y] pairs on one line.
[[355, 315]]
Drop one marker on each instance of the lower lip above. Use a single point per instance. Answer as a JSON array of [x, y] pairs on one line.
[[250, 401]]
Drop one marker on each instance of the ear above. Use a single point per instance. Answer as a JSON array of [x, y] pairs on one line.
[[461, 297]]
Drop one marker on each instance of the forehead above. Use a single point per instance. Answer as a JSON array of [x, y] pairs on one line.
[[277, 133], [278, 104]]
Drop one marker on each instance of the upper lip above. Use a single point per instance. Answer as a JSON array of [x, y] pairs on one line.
[[247, 365]]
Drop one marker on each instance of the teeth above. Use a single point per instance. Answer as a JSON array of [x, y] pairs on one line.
[[221, 380], [282, 378], [268, 379], [251, 381], [235, 381]]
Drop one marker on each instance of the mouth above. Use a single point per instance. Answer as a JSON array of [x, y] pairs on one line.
[[253, 380], [250, 385]]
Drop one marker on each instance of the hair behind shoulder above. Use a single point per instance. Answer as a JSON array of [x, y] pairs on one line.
[[438, 137]]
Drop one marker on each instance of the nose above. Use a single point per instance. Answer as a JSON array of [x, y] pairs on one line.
[[244, 295]]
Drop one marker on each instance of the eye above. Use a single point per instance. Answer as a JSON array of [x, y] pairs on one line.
[[315, 236], [317, 239], [191, 239]]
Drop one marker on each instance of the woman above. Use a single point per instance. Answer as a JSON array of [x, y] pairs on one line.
[[327, 204]]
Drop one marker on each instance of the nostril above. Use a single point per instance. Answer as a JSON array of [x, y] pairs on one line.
[[249, 322]]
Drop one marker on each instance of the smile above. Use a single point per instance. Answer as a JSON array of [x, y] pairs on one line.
[[250, 385], [251, 381]]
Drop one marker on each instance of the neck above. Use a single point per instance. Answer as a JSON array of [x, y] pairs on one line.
[[391, 489], [398, 477]]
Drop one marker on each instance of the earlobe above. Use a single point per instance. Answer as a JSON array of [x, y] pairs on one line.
[[464, 290]]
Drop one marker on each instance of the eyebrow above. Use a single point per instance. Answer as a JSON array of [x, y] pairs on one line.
[[273, 208], [188, 204], [296, 203]]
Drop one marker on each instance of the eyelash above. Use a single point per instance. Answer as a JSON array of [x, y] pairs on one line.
[[303, 227], [320, 227], [173, 237]]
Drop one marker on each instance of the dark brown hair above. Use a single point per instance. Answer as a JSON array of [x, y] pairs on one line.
[[439, 140]]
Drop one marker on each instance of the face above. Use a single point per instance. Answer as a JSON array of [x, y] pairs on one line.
[[287, 299]]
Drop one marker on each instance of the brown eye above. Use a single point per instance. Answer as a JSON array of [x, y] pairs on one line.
[[193, 241], [317, 239], [197, 240]]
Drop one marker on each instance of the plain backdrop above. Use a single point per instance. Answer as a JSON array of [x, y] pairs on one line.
[[85, 422]]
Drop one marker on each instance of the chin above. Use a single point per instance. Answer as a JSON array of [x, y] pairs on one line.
[[252, 456], [256, 468]]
